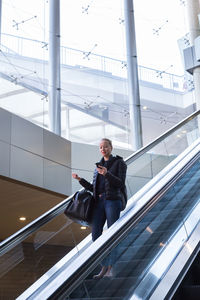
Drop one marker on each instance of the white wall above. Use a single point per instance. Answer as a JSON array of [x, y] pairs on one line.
[[31, 154]]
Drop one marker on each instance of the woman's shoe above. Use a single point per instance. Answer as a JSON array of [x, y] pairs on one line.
[[101, 274]]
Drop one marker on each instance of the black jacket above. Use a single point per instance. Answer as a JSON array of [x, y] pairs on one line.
[[114, 179]]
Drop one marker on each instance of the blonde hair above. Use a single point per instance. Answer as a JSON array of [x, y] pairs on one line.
[[109, 142]]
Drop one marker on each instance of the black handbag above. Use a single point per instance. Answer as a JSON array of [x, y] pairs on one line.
[[124, 197], [80, 207]]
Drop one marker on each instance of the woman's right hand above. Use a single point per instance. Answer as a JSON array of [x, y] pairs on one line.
[[75, 176]]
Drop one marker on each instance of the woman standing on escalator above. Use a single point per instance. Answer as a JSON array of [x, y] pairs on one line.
[[108, 182]]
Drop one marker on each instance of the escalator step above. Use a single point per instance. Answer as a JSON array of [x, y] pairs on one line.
[[131, 268], [191, 292], [137, 252], [105, 288]]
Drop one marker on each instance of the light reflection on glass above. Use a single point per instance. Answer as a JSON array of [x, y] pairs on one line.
[[149, 230], [189, 248]]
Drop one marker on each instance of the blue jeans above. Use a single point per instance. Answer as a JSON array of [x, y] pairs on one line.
[[105, 210]]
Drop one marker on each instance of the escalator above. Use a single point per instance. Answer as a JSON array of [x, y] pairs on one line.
[[57, 260], [151, 244]]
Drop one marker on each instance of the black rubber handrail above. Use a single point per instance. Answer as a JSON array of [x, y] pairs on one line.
[[58, 209]]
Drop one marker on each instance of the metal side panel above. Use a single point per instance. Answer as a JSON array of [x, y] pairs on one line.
[[184, 257]]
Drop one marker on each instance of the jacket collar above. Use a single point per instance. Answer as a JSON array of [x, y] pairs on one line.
[[109, 161]]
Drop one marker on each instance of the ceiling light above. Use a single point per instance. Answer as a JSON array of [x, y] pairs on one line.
[[22, 218], [144, 107], [83, 227]]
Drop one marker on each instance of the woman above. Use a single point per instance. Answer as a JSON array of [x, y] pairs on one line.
[[108, 180]]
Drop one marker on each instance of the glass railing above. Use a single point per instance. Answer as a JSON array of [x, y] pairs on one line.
[[24, 63], [150, 160], [79, 59], [24, 263], [36, 248]]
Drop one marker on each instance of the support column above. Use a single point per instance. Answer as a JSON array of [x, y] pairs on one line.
[[67, 123], [0, 19], [54, 67], [133, 82], [193, 9]]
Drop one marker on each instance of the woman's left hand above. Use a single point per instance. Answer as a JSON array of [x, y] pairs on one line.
[[102, 171]]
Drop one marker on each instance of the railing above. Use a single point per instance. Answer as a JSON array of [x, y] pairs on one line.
[[97, 63]]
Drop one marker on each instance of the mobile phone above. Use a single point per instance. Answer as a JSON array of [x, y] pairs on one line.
[[98, 165]]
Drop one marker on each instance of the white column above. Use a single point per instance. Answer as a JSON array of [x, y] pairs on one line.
[[0, 19], [54, 67], [193, 9], [67, 123], [133, 82]]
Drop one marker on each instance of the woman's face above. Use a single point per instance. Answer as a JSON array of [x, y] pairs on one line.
[[105, 149]]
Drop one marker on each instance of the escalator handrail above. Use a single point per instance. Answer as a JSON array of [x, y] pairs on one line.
[[20, 235], [71, 275]]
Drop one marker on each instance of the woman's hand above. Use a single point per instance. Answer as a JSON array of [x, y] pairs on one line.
[[75, 176], [102, 170]]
